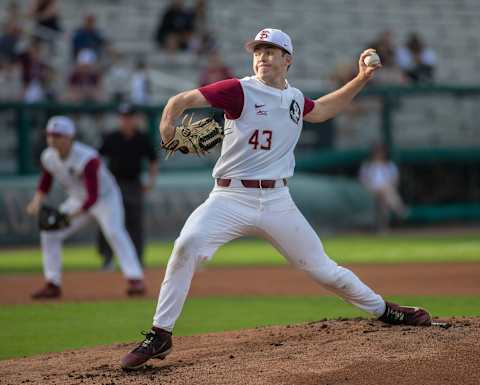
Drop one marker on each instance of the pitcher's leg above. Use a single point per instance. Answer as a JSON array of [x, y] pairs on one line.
[[215, 222], [293, 236], [184, 260]]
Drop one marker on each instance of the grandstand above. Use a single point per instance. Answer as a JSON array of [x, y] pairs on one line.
[[431, 128], [326, 34]]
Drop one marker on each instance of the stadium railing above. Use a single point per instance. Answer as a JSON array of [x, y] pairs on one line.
[[435, 106]]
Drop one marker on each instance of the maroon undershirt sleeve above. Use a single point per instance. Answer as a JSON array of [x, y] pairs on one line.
[[308, 105], [45, 182], [91, 183], [227, 95]]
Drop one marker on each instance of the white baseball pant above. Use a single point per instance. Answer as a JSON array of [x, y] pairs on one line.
[[108, 212], [232, 212]]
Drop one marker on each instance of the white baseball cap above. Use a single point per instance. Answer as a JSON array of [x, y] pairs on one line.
[[271, 36], [61, 125]]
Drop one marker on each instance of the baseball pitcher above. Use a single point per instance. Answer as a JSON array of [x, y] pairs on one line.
[[263, 121]]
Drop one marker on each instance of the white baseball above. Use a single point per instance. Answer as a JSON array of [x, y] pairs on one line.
[[372, 59]]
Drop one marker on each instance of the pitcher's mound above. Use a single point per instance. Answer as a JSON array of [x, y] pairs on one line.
[[336, 352]]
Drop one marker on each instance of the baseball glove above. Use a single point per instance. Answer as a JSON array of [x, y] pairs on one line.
[[195, 137], [50, 219]]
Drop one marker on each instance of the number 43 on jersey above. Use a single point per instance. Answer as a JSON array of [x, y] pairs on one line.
[[261, 140]]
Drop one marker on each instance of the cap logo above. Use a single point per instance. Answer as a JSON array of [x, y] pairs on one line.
[[264, 35]]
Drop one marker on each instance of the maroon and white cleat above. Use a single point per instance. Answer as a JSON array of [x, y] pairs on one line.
[[405, 315], [157, 344]]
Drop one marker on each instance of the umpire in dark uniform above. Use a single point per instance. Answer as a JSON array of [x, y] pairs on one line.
[[125, 151]]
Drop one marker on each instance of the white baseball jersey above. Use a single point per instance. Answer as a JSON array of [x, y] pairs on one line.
[[260, 142], [264, 124], [70, 172]]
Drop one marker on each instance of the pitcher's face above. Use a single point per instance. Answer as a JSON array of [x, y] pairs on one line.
[[270, 63]]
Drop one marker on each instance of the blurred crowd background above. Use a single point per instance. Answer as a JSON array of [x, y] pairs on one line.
[[83, 59], [144, 51]]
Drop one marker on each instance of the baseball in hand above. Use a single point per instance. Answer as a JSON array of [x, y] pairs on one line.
[[372, 59]]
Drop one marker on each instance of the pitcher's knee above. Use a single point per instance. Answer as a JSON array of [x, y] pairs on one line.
[[186, 253], [188, 245], [327, 274]]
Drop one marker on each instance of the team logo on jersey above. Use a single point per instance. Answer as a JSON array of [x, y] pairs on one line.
[[260, 111], [294, 111]]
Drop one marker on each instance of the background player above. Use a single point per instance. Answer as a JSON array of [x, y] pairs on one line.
[[380, 176], [92, 192], [264, 117]]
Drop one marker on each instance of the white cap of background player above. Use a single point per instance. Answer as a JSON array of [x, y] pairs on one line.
[[61, 125], [271, 36]]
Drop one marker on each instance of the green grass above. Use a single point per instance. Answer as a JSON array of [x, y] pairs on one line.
[[33, 329], [343, 249]]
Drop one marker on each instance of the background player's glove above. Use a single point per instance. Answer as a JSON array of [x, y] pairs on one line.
[[50, 218], [195, 137]]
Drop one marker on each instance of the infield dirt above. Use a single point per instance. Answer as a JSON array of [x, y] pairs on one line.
[[360, 352], [330, 352]]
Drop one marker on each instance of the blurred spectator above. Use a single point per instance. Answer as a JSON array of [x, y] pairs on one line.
[[417, 61], [47, 19], [202, 40], [84, 83], [10, 80], [200, 17], [125, 151], [14, 12], [344, 72], [391, 73], [385, 47], [88, 36], [140, 84], [380, 176], [343, 128], [117, 77], [36, 74], [215, 70], [10, 41], [176, 27]]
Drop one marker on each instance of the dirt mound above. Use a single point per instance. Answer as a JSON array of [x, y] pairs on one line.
[[325, 352]]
